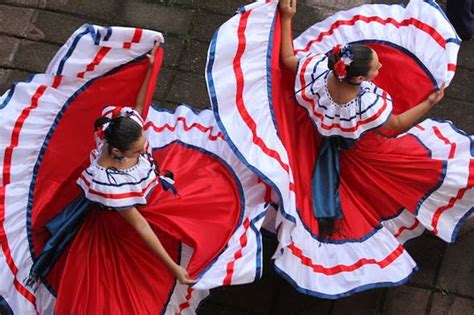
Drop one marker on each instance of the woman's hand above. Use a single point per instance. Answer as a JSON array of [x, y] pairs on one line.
[[151, 55], [139, 102], [287, 54], [287, 8], [182, 275], [407, 119], [437, 96]]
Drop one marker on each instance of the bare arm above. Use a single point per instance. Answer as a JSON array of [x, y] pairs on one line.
[[138, 222], [287, 55], [140, 102], [410, 117]]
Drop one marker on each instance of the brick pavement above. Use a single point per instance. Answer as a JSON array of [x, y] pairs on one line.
[[32, 30]]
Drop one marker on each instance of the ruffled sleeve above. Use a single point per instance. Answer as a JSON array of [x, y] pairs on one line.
[[310, 69], [368, 111], [375, 109]]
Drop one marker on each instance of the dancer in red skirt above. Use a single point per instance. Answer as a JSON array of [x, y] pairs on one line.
[[107, 232], [314, 117]]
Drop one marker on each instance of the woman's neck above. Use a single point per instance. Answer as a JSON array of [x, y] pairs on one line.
[[107, 161], [104, 159], [341, 91]]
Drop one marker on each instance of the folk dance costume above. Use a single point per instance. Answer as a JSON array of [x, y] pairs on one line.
[[327, 160], [87, 259]]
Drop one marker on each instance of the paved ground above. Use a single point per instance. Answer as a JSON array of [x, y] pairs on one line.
[[32, 30]]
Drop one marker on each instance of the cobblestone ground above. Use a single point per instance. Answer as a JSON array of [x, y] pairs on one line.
[[32, 30]]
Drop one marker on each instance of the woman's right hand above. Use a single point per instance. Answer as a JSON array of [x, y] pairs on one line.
[[287, 8], [182, 275], [151, 55]]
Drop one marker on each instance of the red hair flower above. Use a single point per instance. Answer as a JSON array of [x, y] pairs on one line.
[[340, 69]]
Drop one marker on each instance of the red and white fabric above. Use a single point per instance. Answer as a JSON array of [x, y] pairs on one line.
[[28, 110], [211, 226], [419, 188], [240, 45], [240, 261], [391, 188]]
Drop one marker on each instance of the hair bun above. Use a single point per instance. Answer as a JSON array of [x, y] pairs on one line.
[[355, 57], [100, 121]]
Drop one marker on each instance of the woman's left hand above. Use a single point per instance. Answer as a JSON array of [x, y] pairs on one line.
[[151, 55], [183, 276], [437, 96], [287, 8]]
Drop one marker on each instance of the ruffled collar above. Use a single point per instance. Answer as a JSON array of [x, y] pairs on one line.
[[352, 101]]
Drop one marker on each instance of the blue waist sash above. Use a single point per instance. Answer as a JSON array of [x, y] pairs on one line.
[[63, 228], [325, 181]]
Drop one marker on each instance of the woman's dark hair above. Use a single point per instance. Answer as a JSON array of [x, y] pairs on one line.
[[362, 56], [121, 133]]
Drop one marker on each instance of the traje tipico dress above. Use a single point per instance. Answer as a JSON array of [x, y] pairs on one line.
[[388, 188], [210, 226]]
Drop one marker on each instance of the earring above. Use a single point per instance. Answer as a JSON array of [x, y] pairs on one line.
[[118, 158]]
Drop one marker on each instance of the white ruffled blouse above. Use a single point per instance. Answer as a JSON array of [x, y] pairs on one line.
[[369, 110]]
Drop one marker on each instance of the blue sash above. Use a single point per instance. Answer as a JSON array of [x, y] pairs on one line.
[[325, 180], [63, 228]]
